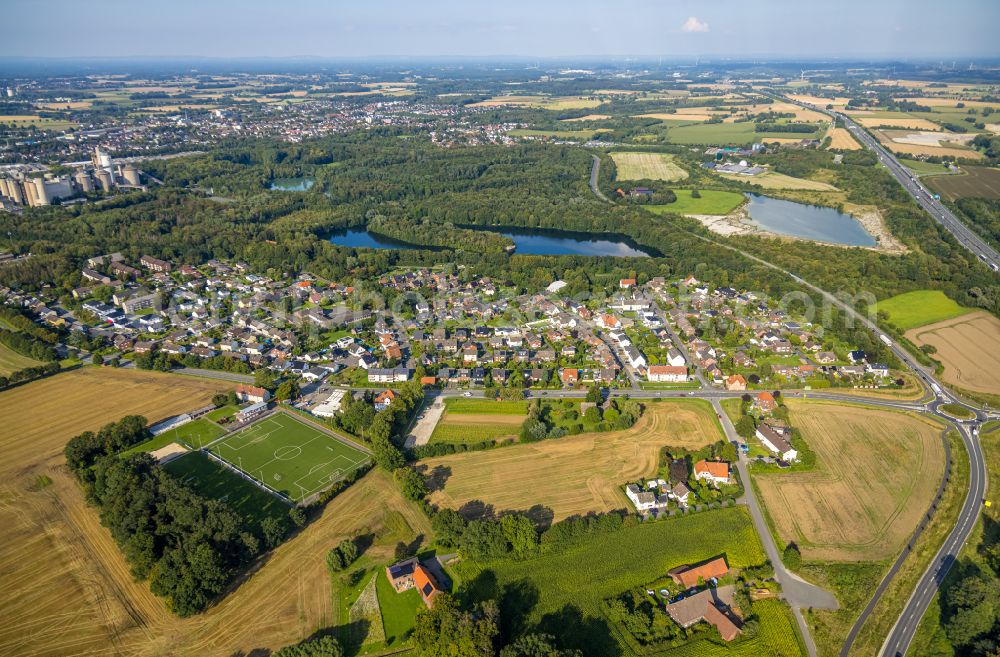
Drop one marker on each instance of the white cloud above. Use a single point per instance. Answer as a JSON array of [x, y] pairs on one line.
[[694, 25]]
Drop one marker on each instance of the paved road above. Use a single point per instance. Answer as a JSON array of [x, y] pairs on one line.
[[902, 633], [796, 591], [965, 236], [595, 169]]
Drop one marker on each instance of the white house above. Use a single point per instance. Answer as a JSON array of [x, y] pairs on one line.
[[667, 374], [715, 472], [777, 443], [643, 500], [635, 357], [675, 358]]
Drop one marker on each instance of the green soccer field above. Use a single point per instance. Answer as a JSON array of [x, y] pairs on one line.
[[289, 456]]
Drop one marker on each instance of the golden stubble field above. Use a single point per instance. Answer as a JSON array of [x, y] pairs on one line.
[[876, 473], [647, 166], [969, 348], [575, 474], [841, 138], [68, 591]]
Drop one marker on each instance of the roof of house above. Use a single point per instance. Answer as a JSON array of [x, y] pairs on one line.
[[780, 442], [425, 583], [244, 389], [688, 576], [718, 469], [668, 369], [694, 608], [402, 569]]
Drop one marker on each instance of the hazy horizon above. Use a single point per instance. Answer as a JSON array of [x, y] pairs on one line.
[[449, 29]]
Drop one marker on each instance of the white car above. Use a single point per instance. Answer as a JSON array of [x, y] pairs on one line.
[[468, 394]]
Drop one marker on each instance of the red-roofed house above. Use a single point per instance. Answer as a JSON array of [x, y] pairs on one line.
[[736, 382], [765, 401], [714, 471], [626, 283], [252, 394], [570, 375], [688, 576]]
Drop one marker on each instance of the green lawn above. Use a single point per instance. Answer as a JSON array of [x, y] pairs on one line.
[[289, 456], [11, 361], [467, 434], [215, 481], [222, 412], [399, 610], [561, 592], [919, 308], [711, 202]]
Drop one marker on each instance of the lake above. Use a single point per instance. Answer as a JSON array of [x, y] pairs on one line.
[[537, 241], [359, 238], [807, 221], [292, 184], [527, 241]]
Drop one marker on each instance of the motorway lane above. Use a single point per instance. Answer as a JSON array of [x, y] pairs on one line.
[[962, 233], [902, 633]]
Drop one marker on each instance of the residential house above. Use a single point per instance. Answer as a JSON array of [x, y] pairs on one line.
[[712, 606], [776, 443], [643, 500], [716, 472], [736, 382], [254, 394], [667, 374]]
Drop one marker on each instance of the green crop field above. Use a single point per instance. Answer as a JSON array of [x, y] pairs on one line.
[[485, 407], [215, 481], [711, 202], [723, 134], [11, 361], [565, 588], [289, 456], [922, 168], [919, 308]]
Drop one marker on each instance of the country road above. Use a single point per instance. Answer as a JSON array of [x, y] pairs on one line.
[[595, 170], [901, 635]]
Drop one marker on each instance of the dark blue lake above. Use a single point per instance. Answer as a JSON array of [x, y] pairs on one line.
[[527, 241], [807, 221], [359, 238], [292, 184], [536, 241]]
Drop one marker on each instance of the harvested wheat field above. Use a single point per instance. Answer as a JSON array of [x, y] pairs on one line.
[[647, 166], [969, 348], [588, 117], [67, 588], [774, 180], [901, 121], [576, 474], [876, 473], [841, 138]]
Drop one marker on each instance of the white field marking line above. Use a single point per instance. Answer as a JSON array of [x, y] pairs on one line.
[[325, 480], [251, 434]]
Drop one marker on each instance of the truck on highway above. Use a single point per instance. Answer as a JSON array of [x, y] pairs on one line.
[[936, 388], [885, 339]]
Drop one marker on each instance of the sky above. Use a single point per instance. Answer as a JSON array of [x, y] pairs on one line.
[[531, 28]]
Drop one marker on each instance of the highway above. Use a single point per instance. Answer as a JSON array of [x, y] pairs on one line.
[[935, 208]]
